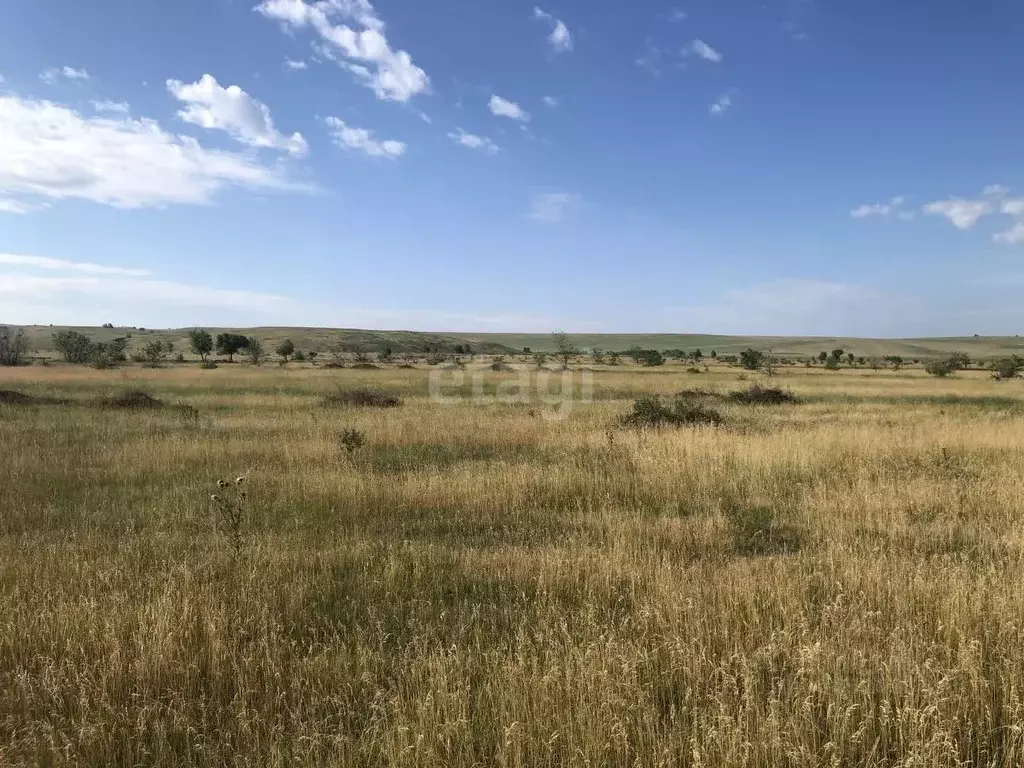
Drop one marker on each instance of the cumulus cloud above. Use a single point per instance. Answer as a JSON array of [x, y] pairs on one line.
[[962, 214], [361, 139], [560, 38], [54, 74], [472, 141], [51, 152], [552, 207], [232, 110], [705, 51], [364, 47], [504, 108]]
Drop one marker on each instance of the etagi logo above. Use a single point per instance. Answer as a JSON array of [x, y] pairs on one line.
[[555, 392]]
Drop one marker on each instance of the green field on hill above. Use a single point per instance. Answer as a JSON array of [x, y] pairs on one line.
[[322, 339]]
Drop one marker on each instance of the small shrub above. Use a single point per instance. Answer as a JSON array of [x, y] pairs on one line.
[[189, 414], [363, 397], [365, 367], [1007, 368], [756, 530], [649, 412], [407, 367], [12, 397], [691, 369], [752, 359], [13, 346], [134, 399], [758, 395], [352, 440], [333, 366], [500, 366], [435, 359], [208, 365], [940, 368]]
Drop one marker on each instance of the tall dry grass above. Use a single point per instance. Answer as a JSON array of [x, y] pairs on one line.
[[480, 586]]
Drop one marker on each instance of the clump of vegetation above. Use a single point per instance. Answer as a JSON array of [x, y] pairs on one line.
[[108, 354], [230, 344], [363, 397], [692, 369], [208, 365], [759, 395], [758, 530], [1007, 368], [500, 366], [285, 350], [189, 414], [407, 367], [133, 399], [13, 346], [13, 397], [351, 440], [650, 412], [200, 342], [940, 368], [365, 367], [254, 351]]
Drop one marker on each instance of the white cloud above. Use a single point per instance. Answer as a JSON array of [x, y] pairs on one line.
[[1013, 236], [893, 207], [361, 139], [962, 214], [551, 101], [705, 51], [1014, 207], [18, 207], [45, 262], [552, 207], [295, 64], [119, 107], [473, 141], [69, 73], [560, 38], [675, 15], [247, 120], [391, 74], [504, 108], [50, 151], [722, 103]]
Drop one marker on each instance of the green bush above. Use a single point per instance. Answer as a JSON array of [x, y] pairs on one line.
[[364, 397], [650, 412]]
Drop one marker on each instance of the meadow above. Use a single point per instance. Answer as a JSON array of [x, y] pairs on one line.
[[834, 582]]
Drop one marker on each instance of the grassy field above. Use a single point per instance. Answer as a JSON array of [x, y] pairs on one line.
[[837, 582], [322, 339]]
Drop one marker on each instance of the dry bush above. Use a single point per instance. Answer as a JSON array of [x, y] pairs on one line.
[[133, 399], [652, 412], [363, 397], [760, 395]]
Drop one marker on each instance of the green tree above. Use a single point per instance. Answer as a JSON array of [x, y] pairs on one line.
[[231, 344], [752, 359], [698, 356], [200, 342], [822, 357], [154, 353], [940, 368], [73, 346], [13, 346], [1007, 368], [254, 350], [564, 348], [285, 350], [960, 360]]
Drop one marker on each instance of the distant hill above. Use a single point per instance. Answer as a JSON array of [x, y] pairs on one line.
[[322, 339]]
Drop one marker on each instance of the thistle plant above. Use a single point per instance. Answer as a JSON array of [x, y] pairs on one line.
[[230, 506]]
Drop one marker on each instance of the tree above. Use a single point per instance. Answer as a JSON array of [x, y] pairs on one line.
[[1007, 368], [564, 347], [896, 361], [75, 347], [850, 357], [285, 350], [714, 355], [838, 353], [822, 357], [201, 342], [652, 357], [698, 356], [107, 354], [961, 361], [832, 363], [312, 355], [752, 359], [254, 350], [769, 364], [154, 353], [539, 358], [385, 355], [635, 352], [231, 344], [13, 346]]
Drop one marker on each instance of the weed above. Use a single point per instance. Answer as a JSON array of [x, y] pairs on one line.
[[363, 397], [352, 440], [650, 412]]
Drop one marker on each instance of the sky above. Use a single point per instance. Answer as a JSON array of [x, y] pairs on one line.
[[777, 167]]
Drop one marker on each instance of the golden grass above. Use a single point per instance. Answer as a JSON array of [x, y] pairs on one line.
[[481, 586]]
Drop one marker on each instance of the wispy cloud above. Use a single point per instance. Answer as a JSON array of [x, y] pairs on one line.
[[45, 262], [962, 214], [705, 51], [472, 141], [552, 207], [54, 74], [551, 101], [51, 152], [560, 38], [721, 104], [363, 46], [363, 140], [893, 207], [295, 64], [505, 108]]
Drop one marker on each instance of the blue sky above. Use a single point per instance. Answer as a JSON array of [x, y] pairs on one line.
[[780, 167]]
